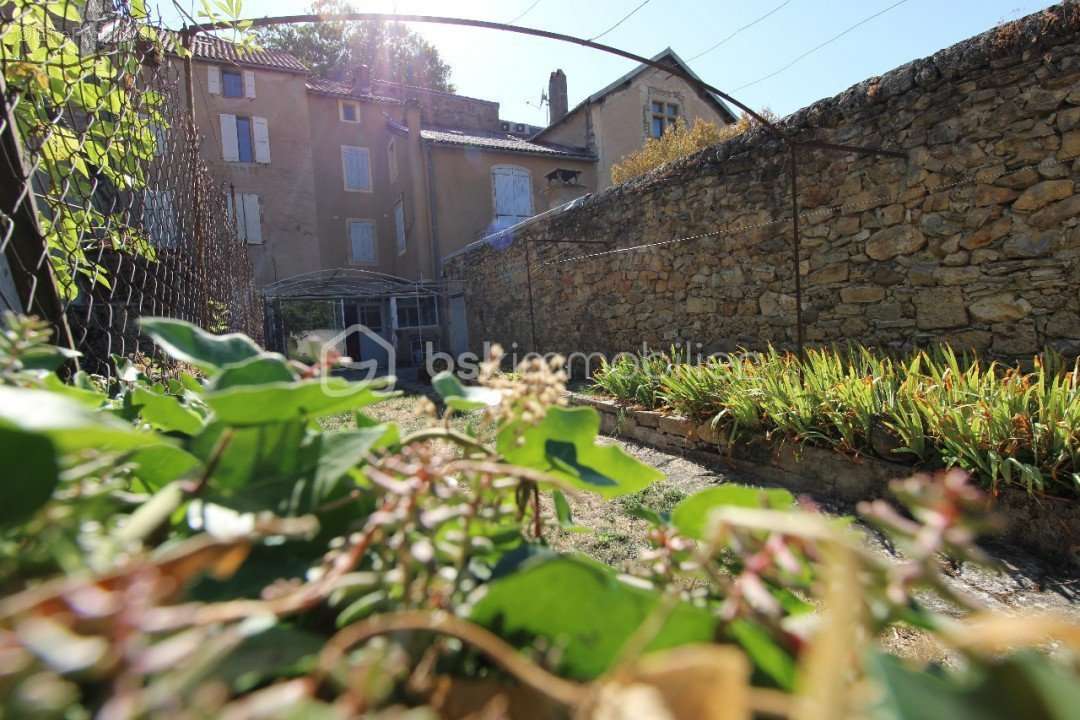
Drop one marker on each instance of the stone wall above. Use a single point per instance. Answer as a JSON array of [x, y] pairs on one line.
[[972, 238]]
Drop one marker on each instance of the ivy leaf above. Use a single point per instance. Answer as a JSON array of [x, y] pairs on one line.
[[31, 484], [768, 657], [284, 401], [563, 445], [259, 370], [461, 397], [165, 412], [691, 516], [189, 343], [69, 424], [581, 606], [47, 357], [158, 466]]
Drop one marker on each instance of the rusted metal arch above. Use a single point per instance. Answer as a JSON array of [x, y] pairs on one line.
[[792, 143]]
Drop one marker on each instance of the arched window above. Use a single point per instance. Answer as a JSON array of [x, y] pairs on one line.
[[511, 190]]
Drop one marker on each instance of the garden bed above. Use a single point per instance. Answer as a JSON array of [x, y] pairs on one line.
[[1041, 524]]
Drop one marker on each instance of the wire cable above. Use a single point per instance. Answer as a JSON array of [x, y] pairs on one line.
[[813, 50], [624, 18], [523, 14], [747, 26]]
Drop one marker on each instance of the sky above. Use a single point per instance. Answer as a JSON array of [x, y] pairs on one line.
[[513, 69]]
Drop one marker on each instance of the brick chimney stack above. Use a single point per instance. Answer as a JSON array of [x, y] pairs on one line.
[[558, 104], [361, 84]]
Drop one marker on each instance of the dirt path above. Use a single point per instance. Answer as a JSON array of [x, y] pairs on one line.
[[1022, 582]]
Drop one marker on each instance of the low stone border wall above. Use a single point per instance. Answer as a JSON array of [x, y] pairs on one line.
[[1046, 526]]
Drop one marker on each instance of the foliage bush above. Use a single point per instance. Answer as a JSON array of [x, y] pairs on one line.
[[679, 141], [1002, 424], [187, 541]]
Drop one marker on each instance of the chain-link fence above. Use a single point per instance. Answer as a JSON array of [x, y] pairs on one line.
[[107, 213]]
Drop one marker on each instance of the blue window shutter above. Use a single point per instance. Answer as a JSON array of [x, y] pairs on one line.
[[357, 170]]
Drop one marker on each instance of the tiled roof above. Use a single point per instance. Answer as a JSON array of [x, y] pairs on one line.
[[501, 141], [207, 47], [344, 89]]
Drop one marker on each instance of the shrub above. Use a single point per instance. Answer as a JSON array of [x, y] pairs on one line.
[[680, 141], [934, 407]]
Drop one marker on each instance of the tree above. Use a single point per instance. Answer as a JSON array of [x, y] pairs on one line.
[[332, 50]]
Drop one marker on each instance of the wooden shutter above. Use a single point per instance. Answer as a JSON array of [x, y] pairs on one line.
[[252, 219], [229, 150], [357, 168], [513, 195], [249, 84], [261, 131], [362, 240], [213, 79], [234, 217]]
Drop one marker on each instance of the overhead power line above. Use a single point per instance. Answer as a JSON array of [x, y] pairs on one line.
[[813, 50], [524, 13], [747, 26], [623, 19]]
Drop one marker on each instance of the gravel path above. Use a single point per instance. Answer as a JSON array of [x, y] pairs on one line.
[[1022, 582]]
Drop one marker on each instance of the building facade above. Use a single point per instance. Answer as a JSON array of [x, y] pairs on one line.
[[350, 194]]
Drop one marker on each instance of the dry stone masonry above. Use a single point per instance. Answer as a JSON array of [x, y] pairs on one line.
[[973, 239]]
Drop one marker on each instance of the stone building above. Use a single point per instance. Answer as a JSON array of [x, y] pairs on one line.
[[350, 194]]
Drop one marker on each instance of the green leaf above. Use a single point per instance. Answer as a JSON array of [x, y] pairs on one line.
[[158, 466], [562, 444], [47, 357], [280, 401], [768, 657], [138, 9], [29, 481], [562, 509], [279, 651], [461, 397], [341, 451], [259, 370], [691, 516], [268, 454], [1027, 685], [69, 424], [582, 607], [165, 412], [189, 343]]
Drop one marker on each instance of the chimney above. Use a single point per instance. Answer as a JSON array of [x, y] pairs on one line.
[[558, 105], [361, 84]]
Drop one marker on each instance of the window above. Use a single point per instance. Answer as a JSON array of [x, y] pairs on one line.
[[356, 167], [399, 226], [248, 217], [361, 241], [512, 190], [391, 159], [232, 83], [416, 312], [245, 146], [159, 218], [349, 111], [664, 116], [244, 139]]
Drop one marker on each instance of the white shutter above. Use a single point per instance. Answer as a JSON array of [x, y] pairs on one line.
[[252, 219], [229, 151], [357, 169], [362, 240], [213, 79], [249, 83], [522, 195], [261, 131], [399, 226]]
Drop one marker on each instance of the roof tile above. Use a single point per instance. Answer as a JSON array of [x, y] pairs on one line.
[[501, 141]]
